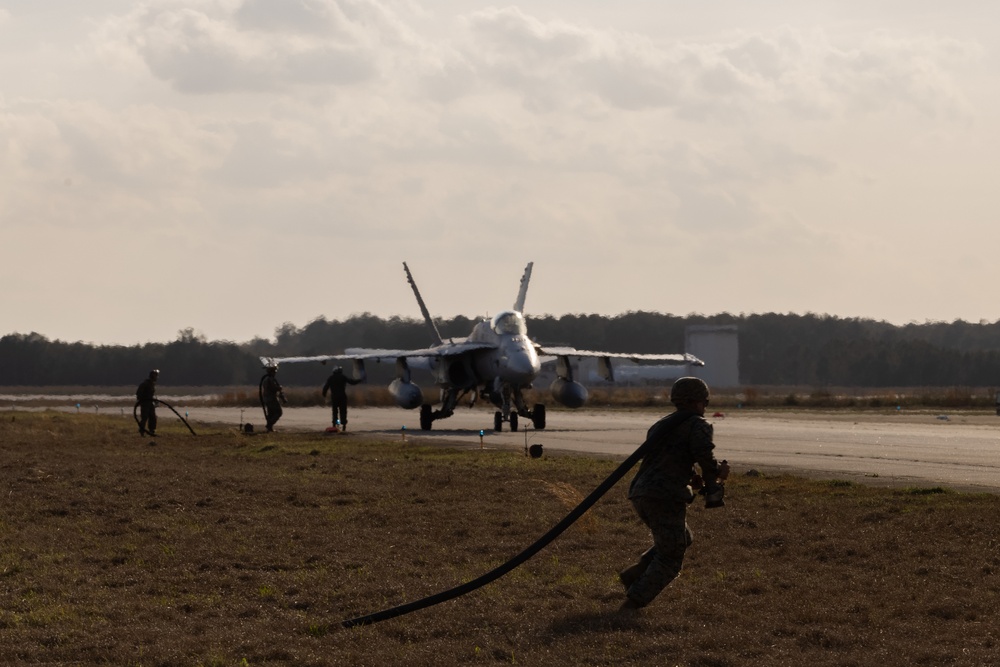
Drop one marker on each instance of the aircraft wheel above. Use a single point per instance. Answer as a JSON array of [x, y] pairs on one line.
[[538, 416], [513, 421], [426, 420], [497, 421]]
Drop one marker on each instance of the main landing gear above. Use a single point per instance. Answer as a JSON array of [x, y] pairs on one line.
[[449, 399], [512, 408], [426, 417]]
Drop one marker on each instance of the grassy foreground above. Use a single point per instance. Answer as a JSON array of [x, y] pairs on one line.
[[225, 549]]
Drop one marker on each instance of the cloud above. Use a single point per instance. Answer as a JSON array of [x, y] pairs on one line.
[[72, 163], [551, 64], [522, 110], [511, 119], [317, 17], [262, 45], [512, 34], [888, 73]]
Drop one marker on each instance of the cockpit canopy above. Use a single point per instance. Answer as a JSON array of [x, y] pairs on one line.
[[509, 322]]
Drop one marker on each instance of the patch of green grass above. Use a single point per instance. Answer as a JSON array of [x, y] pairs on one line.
[[920, 491]]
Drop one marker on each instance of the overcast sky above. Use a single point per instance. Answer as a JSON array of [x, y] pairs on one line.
[[231, 165]]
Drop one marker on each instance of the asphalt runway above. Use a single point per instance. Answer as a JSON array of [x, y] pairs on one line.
[[920, 449]]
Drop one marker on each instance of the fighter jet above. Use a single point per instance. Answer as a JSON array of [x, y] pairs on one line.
[[496, 362]]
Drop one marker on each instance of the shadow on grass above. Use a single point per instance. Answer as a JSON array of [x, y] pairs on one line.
[[596, 621]]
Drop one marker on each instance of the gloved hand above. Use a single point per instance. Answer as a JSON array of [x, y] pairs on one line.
[[714, 494], [696, 483]]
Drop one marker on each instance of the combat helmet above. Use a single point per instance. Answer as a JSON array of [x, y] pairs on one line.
[[688, 390]]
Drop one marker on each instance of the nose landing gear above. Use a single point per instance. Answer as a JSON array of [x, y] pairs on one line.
[[537, 417]]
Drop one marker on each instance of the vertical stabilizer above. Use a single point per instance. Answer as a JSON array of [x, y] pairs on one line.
[[423, 309], [523, 292]]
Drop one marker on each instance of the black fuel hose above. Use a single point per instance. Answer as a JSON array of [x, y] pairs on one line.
[[517, 560], [260, 394], [673, 420], [135, 416]]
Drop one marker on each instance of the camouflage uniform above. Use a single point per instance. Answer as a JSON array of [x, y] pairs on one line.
[[336, 384], [146, 395], [660, 493], [271, 391]]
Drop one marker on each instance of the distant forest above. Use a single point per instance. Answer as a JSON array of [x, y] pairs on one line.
[[775, 350]]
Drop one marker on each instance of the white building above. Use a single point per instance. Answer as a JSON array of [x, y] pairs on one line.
[[719, 347]]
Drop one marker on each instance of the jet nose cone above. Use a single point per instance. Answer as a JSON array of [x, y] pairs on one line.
[[522, 365], [518, 362]]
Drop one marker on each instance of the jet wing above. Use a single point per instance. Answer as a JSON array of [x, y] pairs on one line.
[[445, 350], [563, 351]]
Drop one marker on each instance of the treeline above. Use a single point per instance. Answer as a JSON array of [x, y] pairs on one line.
[[775, 349], [33, 360]]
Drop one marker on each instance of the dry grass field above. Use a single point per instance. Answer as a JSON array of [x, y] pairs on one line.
[[224, 549]]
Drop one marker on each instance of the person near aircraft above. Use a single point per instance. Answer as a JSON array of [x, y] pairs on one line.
[[272, 396], [146, 395], [666, 483], [336, 384]]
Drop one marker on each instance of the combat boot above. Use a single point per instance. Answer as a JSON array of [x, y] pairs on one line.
[[630, 605], [629, 575]]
